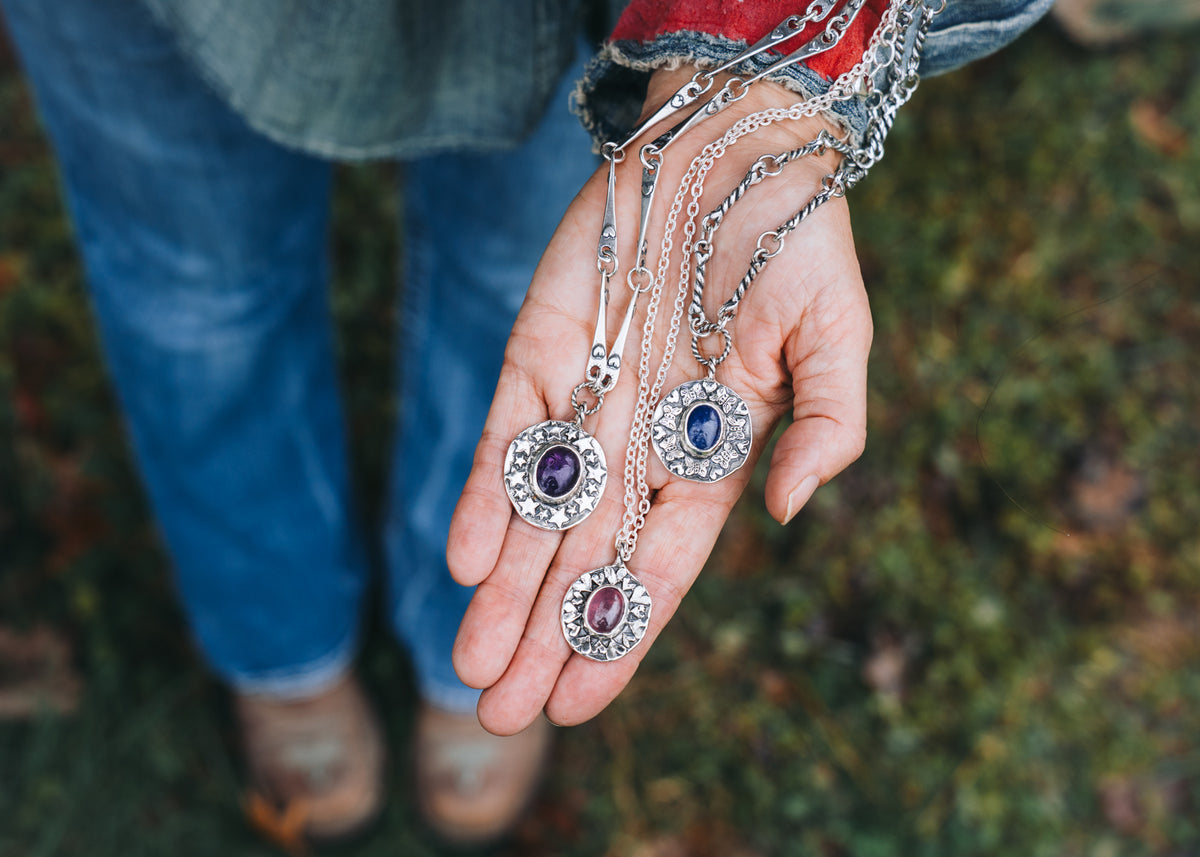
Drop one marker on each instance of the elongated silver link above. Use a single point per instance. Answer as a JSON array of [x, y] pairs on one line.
[[702, 80], [603, 369], [902, 82], [847, 85], [606, 248], [736, 88]]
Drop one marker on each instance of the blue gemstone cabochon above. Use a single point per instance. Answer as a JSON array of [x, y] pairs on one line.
[[703, 427]]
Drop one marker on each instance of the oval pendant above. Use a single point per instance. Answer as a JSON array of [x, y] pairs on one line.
[[605, 613], [702, 431], [554, 473]]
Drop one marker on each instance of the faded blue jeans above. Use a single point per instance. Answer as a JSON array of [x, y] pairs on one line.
[[206, 252]]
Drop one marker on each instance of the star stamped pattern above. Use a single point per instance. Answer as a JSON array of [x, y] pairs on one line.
[[736, 438], [519, 475]]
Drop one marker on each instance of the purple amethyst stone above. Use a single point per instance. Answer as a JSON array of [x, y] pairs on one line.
[[557, 471], [703, 427], [605, 609]]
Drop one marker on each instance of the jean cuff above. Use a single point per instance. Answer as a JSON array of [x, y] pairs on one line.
[[454, 697], [300, 681]]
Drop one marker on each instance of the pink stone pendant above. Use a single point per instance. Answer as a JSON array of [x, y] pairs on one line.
[[605, 613]]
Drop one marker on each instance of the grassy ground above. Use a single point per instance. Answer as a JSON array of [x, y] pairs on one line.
[[981, 639]]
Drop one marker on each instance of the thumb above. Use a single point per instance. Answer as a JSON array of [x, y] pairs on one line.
[[809, 453], [829, 420]]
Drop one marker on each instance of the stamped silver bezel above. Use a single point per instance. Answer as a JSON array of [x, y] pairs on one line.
[[668, 433], [520, 463], [626, 635]]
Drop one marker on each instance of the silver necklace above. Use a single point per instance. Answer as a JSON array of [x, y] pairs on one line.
[[554, 470], [702, 429], [606, 611]]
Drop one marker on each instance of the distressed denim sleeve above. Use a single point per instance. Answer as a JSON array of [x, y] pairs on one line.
[[653, 34], [969, 29]]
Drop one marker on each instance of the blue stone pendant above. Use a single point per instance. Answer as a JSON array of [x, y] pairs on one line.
[[554, 473], [702, 431]]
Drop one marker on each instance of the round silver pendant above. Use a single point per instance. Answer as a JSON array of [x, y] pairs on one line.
[[605, 613], [702, 431], [554, 473]]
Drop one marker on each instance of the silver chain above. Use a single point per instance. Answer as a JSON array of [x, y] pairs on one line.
[[893, 37], [604, 364], [883, 106]]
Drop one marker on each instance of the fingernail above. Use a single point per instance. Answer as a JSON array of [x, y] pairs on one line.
[[800, 495]]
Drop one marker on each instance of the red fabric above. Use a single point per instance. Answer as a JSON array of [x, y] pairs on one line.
[[749, 21]]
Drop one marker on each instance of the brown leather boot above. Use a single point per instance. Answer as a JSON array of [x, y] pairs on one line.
[[315, 765], [472, 786]]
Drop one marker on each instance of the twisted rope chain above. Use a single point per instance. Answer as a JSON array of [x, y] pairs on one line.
[[885, 45]]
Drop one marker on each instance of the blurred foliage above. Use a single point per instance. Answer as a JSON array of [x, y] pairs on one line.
[[981, 639]]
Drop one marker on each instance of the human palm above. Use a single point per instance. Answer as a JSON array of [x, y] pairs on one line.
[[801, 338]]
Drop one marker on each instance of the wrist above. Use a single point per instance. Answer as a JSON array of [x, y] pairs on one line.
[[761, 95]]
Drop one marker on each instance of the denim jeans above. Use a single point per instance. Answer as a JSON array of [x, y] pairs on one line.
[[205, 248]]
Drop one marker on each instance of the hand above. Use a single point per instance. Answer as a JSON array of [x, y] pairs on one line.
[[801, 338]]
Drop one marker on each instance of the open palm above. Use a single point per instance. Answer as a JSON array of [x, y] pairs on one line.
[[801, 339]]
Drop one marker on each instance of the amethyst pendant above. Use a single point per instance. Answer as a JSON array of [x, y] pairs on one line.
[[554, 473], [605, 613]]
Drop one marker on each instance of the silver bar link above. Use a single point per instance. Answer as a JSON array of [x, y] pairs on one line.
[[606, 250], [650, 175], [702, 80], [735, 88], [597, 363], [826, 39]]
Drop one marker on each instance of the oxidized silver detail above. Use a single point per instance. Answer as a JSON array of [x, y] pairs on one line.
[[520, 479], [629, 631], [668, 428]]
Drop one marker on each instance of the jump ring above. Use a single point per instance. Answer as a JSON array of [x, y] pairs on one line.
[[644, 274], [582, 410], [612, 152], [769, 236], [709, 362], [606, 262]]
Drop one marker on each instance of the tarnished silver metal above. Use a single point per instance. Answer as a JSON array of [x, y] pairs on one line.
[[606, 249], [707, 463], [735, 88], [711, 361], [626, 630], [769, 244], [651, 170], [520, 475], [702, 80]]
